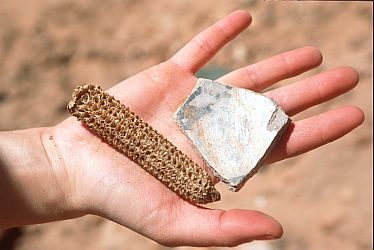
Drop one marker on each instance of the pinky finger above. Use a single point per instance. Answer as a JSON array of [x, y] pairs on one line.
[[308, 134]]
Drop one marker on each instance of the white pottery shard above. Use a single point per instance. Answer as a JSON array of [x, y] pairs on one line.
[[232, 128]]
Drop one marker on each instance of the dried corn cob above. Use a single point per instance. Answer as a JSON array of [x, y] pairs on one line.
[[125, 131]]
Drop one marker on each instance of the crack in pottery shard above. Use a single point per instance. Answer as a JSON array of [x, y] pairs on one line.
[[233, 129]]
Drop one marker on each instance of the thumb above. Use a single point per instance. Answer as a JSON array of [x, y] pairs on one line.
[[197, 226]]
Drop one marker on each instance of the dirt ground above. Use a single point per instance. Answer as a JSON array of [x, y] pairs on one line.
[[323, 199]]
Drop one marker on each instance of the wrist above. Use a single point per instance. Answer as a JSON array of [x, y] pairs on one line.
[[33, 186], [64, 195]]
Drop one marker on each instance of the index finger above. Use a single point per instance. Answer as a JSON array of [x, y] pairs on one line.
[[206, 44]]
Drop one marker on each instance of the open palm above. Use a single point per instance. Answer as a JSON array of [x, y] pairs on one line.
[[104, 182]]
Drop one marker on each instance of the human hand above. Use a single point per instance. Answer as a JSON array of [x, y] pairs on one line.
[[99, 180]]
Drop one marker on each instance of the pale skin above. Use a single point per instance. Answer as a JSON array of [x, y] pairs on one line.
[[62, 172]]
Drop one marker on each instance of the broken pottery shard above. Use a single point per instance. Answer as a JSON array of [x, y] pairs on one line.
[[232, 128]]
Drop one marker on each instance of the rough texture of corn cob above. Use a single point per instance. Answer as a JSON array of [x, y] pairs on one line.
[[129, 134]]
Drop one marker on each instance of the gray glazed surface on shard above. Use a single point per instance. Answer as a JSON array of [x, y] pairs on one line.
[[232, 128]]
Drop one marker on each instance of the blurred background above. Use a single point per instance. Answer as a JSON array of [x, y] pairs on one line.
[[323, 198]]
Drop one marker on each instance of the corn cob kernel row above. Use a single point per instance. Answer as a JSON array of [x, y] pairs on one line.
[[129, 134]]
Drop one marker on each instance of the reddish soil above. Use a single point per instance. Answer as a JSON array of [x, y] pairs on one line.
[[323, 198]]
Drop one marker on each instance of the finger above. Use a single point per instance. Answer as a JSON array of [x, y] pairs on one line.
[[313, 132], [261, 75], [206, 44], [314, 90], [204, 227]]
